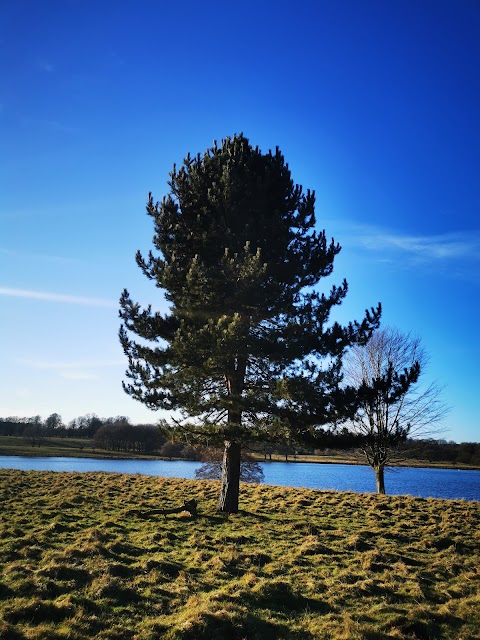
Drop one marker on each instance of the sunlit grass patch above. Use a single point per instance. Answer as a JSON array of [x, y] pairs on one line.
[[82, 557]]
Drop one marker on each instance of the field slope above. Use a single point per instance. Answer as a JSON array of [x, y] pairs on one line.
[[82, 557]]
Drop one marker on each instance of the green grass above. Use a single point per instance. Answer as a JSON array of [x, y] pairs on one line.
[[82, 558], [63, 447]]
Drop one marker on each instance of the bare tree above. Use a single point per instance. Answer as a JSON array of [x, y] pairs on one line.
[[392, 403]]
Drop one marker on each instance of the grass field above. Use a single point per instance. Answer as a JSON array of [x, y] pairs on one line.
[[82, 557]]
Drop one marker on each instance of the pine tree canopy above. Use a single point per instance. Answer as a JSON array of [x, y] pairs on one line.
[[247, 347]]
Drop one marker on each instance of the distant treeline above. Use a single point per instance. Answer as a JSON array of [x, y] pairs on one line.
[[442, 451], [118, 434], [110, 434], [82, 427], [430, 450]]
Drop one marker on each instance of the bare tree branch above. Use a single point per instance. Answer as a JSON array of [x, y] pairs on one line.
[[392, 402]]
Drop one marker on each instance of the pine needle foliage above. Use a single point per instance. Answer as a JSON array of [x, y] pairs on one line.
[[240, 351]]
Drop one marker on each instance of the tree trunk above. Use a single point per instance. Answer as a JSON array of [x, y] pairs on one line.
[[228, 500], [380, 479], [234, 379]]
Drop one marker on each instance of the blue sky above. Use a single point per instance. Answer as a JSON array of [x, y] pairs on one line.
[[374, 104]]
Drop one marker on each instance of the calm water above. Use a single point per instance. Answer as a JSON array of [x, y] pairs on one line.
[[434, 483]]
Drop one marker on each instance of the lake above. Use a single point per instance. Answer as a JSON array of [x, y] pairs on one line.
[[422, 482]]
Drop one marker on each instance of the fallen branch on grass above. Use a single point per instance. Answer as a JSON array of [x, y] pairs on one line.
[[188, 505]]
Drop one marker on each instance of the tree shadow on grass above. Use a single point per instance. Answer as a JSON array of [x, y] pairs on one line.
[[221, 518]]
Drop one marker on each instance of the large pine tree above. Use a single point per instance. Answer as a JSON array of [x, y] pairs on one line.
[[247, 348]]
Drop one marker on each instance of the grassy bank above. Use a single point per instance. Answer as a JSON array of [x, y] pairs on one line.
[[62, 447], [356, 457], [82, 557], [81, 448]]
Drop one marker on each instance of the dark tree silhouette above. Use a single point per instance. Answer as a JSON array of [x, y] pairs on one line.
[[54, 424], [239, 351]]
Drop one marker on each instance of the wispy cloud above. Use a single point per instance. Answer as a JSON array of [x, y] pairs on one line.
[[57, 297], [434, 248], [448, 255], [388, 245]]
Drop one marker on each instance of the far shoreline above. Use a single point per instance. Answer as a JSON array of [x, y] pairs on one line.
[[43, 452]]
